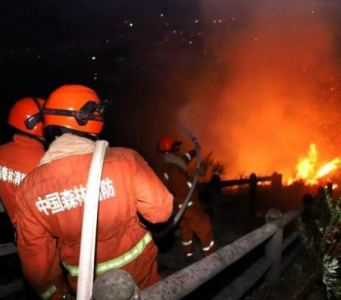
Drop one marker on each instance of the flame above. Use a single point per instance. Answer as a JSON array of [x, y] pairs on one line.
[[309, 169], [328, 168], [306, 165]]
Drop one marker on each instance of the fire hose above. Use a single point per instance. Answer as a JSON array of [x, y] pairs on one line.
[[90, 216], [182, 210], [89, 225]]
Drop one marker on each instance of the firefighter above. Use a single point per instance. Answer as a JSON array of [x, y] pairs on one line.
[[51, 201], [195, 220], [22, 155]]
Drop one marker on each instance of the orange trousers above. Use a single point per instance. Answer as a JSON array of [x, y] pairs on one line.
[[199, 225]]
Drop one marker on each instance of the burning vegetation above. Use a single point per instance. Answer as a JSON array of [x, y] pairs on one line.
[[310, 169], [274, 101]]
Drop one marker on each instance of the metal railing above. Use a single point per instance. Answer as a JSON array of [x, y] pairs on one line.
[[118, 284]]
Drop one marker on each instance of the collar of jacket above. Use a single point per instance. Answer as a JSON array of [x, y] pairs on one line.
[[176, 160], [66, 145], [27, 142]]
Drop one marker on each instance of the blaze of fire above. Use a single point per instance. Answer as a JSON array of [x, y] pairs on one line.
[[310, 170], [306, 165], [328, 168]]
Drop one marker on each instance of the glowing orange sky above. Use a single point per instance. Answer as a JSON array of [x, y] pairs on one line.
[[281, 92]]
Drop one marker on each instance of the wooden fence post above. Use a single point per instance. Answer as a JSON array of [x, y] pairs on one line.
[[273, 248], [253, 192], [308, 215], [276, 184], [215, 187]]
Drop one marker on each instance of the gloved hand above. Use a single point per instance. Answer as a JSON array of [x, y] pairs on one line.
[[195, 140]]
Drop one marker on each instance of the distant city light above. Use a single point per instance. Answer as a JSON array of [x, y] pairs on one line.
[[93, 58], [161, 15], [190, 42], [131, 24], [196, 21]]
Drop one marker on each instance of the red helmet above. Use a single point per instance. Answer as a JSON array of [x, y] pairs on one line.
[[169, 143], [26, 116], [76, 107]]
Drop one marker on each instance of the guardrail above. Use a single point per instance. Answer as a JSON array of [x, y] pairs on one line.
[[118, 284], [275, 179], [215, 186]]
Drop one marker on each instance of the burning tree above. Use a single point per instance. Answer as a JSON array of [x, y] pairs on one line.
[[211, 166]]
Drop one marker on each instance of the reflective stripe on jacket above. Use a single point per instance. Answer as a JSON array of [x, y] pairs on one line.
[[117, 262], [50, 209]]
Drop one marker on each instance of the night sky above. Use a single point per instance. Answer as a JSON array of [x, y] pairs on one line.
[[213, 64], [117, 48]]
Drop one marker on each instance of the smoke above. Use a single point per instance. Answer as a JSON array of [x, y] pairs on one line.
[[272, 86]]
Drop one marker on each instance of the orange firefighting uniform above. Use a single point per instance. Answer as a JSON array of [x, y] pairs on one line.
[[195, 220], [17, 159], [50, 212]]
